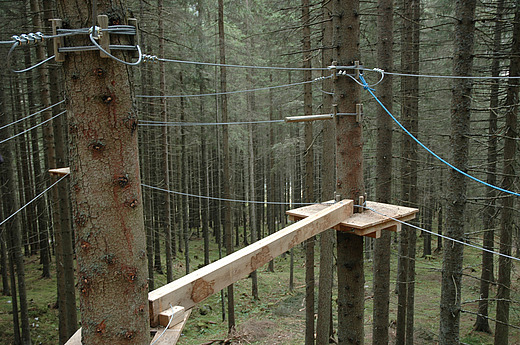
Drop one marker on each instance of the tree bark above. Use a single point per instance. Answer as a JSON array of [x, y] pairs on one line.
[[508, 202], [106, 190], [460, 120], [323, 324], [383, 173], [309, 173], [488, 214], [166, 214], [226, 156], [349, 174]]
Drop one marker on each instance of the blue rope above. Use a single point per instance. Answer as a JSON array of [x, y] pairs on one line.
[[366, 87]]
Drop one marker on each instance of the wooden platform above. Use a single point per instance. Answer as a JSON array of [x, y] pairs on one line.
[[368, 223]]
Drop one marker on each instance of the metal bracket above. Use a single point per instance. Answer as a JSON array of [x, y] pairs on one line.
[[334, 70], [359, 113]]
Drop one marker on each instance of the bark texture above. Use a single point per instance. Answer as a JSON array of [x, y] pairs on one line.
[[349, 173], [106, 190], [508, 202], [460, 120], [384, 173]]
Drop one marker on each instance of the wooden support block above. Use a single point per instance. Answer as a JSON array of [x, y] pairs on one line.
[[134, 40], [200, 284], [171, 336], [58, 41], [59, 171], [104, 39], [176, 314]]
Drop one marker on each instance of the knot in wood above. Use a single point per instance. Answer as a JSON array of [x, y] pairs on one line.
[[101, 328], [122, 181], [107, 99], [99, 72], [132, 203], [97, 146]]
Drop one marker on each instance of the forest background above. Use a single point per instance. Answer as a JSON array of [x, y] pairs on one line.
[[181, 143]]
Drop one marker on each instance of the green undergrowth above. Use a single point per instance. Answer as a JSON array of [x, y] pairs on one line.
[[278, 316]]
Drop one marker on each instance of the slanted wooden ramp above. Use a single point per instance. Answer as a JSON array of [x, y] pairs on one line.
[[202, 283]]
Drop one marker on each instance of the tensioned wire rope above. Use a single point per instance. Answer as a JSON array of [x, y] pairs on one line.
[[237, 91], [191, 124], [329, 203], [33, 127], [33, 114], [153, 58], [31, 201], [370, 90]]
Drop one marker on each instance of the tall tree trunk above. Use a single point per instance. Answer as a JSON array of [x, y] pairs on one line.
[[508, 202], [166, 214], [385, 24], [48, 142], [309, 173], [12, 229], [460, 120], [488, 214], [64, 247], [409, 110], [184, 168], [349, 174], [323, 325], [106, 190], [225, 152]]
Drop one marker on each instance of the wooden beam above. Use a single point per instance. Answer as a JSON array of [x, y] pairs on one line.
[[170, 336], [197, 286], [60, 171], [171, 316], [75, 339]]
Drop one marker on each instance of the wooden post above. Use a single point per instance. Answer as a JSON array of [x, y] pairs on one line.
[[349, 170], [106, 191]]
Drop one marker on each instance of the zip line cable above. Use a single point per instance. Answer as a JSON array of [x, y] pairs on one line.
[[363, 206], [438, 76], [30, 202], [33, 127], [153, 58], [188, 124], [366, 87], [224, 199], [234, 92], [36, 113], [443, 236]]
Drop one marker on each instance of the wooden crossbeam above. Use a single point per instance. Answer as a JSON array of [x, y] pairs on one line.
[[199, 285]]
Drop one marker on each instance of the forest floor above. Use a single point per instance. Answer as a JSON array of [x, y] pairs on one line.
[[279, 316]]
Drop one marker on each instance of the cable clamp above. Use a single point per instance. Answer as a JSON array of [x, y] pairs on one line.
[[17, 39], [150, 58], [96, 32]]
